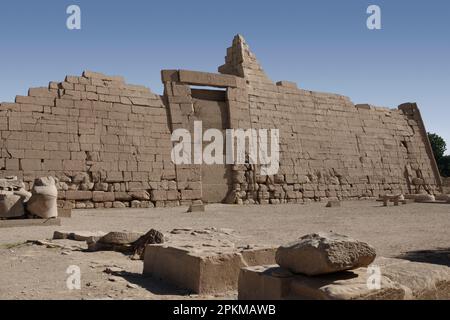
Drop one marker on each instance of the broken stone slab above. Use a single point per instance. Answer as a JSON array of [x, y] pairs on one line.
[[323, 253], [126, 242], [43, 202], [202, 271], [78, 235], [274, 283], [399, 280], [11, 184], [424, 281]]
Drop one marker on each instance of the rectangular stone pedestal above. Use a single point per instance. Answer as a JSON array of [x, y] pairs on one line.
[[202, 272]]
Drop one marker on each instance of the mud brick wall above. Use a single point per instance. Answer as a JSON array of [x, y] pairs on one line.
[[330, 148], [107, 142]]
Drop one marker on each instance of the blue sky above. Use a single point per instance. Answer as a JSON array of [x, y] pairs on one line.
[[321, 45]]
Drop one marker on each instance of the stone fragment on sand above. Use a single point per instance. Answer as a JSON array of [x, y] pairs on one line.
[[78, 235], [151, 237], [333, 204], [120, 238], [324, 253]]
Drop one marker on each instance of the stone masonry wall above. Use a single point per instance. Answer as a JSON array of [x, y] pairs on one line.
[[330, 148], [107, 142]]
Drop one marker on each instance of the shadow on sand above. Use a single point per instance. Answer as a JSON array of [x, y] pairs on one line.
[[155, 286], [436, 256]]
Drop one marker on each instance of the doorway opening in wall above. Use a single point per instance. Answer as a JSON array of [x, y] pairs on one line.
[[211, 107]]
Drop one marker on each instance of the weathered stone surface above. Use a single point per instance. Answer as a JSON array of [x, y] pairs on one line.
[[120, 238], [324, 253], [11, 205], [424, 281], [201, 271], [43, 202], [421, 197], [151, 237], [273, 283], [140, 195], [399, 279]]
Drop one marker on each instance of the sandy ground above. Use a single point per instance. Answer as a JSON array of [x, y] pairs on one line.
[[417, 232]]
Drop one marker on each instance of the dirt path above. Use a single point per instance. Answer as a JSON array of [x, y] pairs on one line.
[[420, 231]]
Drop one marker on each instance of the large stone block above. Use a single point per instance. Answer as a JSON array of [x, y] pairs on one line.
[[202, 271], [100, 196], [208, 79], [78, 195]]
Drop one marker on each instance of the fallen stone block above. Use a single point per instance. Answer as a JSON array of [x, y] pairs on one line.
[[202, 271], [333, 204], [323, 253]]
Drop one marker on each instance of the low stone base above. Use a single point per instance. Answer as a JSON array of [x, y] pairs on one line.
[[400, 280], [202, 271], [29, 223]]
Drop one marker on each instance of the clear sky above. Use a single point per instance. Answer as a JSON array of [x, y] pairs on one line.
[[321, 45]]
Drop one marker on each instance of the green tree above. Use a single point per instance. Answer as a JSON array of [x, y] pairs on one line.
[[444, 166], [439, 147]]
